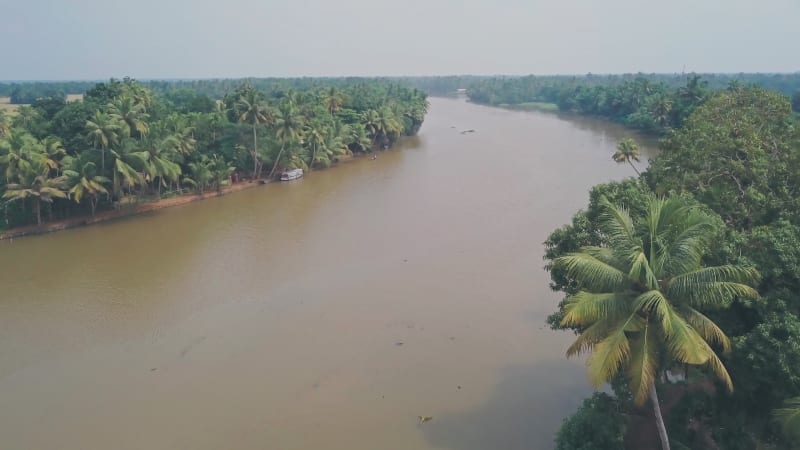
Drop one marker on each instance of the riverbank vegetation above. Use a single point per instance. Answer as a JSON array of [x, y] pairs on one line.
[[652, 104], [125, 142], [658, 271]]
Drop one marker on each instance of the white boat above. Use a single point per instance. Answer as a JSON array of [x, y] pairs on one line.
[[292, 174]]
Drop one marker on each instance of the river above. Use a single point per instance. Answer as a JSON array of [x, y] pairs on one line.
[[325, 313]]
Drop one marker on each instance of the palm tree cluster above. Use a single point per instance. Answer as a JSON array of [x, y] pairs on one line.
[[125, 143]]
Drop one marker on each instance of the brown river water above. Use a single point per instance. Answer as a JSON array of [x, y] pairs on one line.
[[324, 313]]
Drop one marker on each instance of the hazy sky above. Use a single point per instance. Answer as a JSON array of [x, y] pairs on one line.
[[97, 39]]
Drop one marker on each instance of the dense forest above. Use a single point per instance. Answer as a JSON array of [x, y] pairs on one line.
[[125, 142], [650, 103], [682, 284]]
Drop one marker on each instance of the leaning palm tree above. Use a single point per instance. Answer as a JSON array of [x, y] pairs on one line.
[[288, 126], [627, 152], [314, 137], [251, 109], [789, 416], [638, 308], [87, 183], [102, 131], [35, 184]]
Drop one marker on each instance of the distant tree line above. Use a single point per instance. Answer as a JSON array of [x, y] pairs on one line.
[[650, 103]]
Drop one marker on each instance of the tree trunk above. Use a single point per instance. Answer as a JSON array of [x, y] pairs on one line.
[[94, 205], [634, 168], [38, 209], [277, 161], [255, 152], [313, 156], [662, 430], [102, 160]]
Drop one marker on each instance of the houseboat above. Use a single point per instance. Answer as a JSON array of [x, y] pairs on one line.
[[292, 174]]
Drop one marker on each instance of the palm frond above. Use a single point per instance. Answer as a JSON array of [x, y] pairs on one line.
[[713, 286], [684, 343], [653, 303], [718, 369], [590, 337], [643, 364], [706, 328], [586, 308], [592, 273], [608, 356]]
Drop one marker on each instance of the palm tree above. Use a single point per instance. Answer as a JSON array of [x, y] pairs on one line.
[[372, 124], [158, 165], [789, 416], [35, 184], [16, 152], [54, 152], [250, 109], [102, 132], [315, 138], [333, 100], [358, 140], [87, 183], [640, 296], [127, 168], [5, 127], [131, 115], [627, 151], [288, 125]]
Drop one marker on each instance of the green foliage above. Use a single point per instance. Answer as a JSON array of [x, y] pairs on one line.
[[737, 155], [126, 139], [599, 424]]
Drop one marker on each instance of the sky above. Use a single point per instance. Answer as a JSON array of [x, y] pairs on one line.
[[145, 39]]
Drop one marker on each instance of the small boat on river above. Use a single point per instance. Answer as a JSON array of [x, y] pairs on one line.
[[292, 174]]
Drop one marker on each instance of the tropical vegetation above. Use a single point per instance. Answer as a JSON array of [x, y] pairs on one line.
[[661, 288], [125, 142]]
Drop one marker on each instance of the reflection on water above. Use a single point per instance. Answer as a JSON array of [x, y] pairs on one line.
[[324, 313]]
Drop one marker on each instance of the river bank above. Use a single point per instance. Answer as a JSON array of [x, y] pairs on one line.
[[136, 208], [126, 211]]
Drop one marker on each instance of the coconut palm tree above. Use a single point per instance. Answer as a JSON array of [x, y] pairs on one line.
[[333, 100], [16, 152], [638, 308], [314, 137], [251, 109], [86, 182], [627, 152], [357, 139], [53, 152], [288, 127], [5, 126], [102, 131], [372, 124], [131, 116], [34, 183], [128, 166]]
